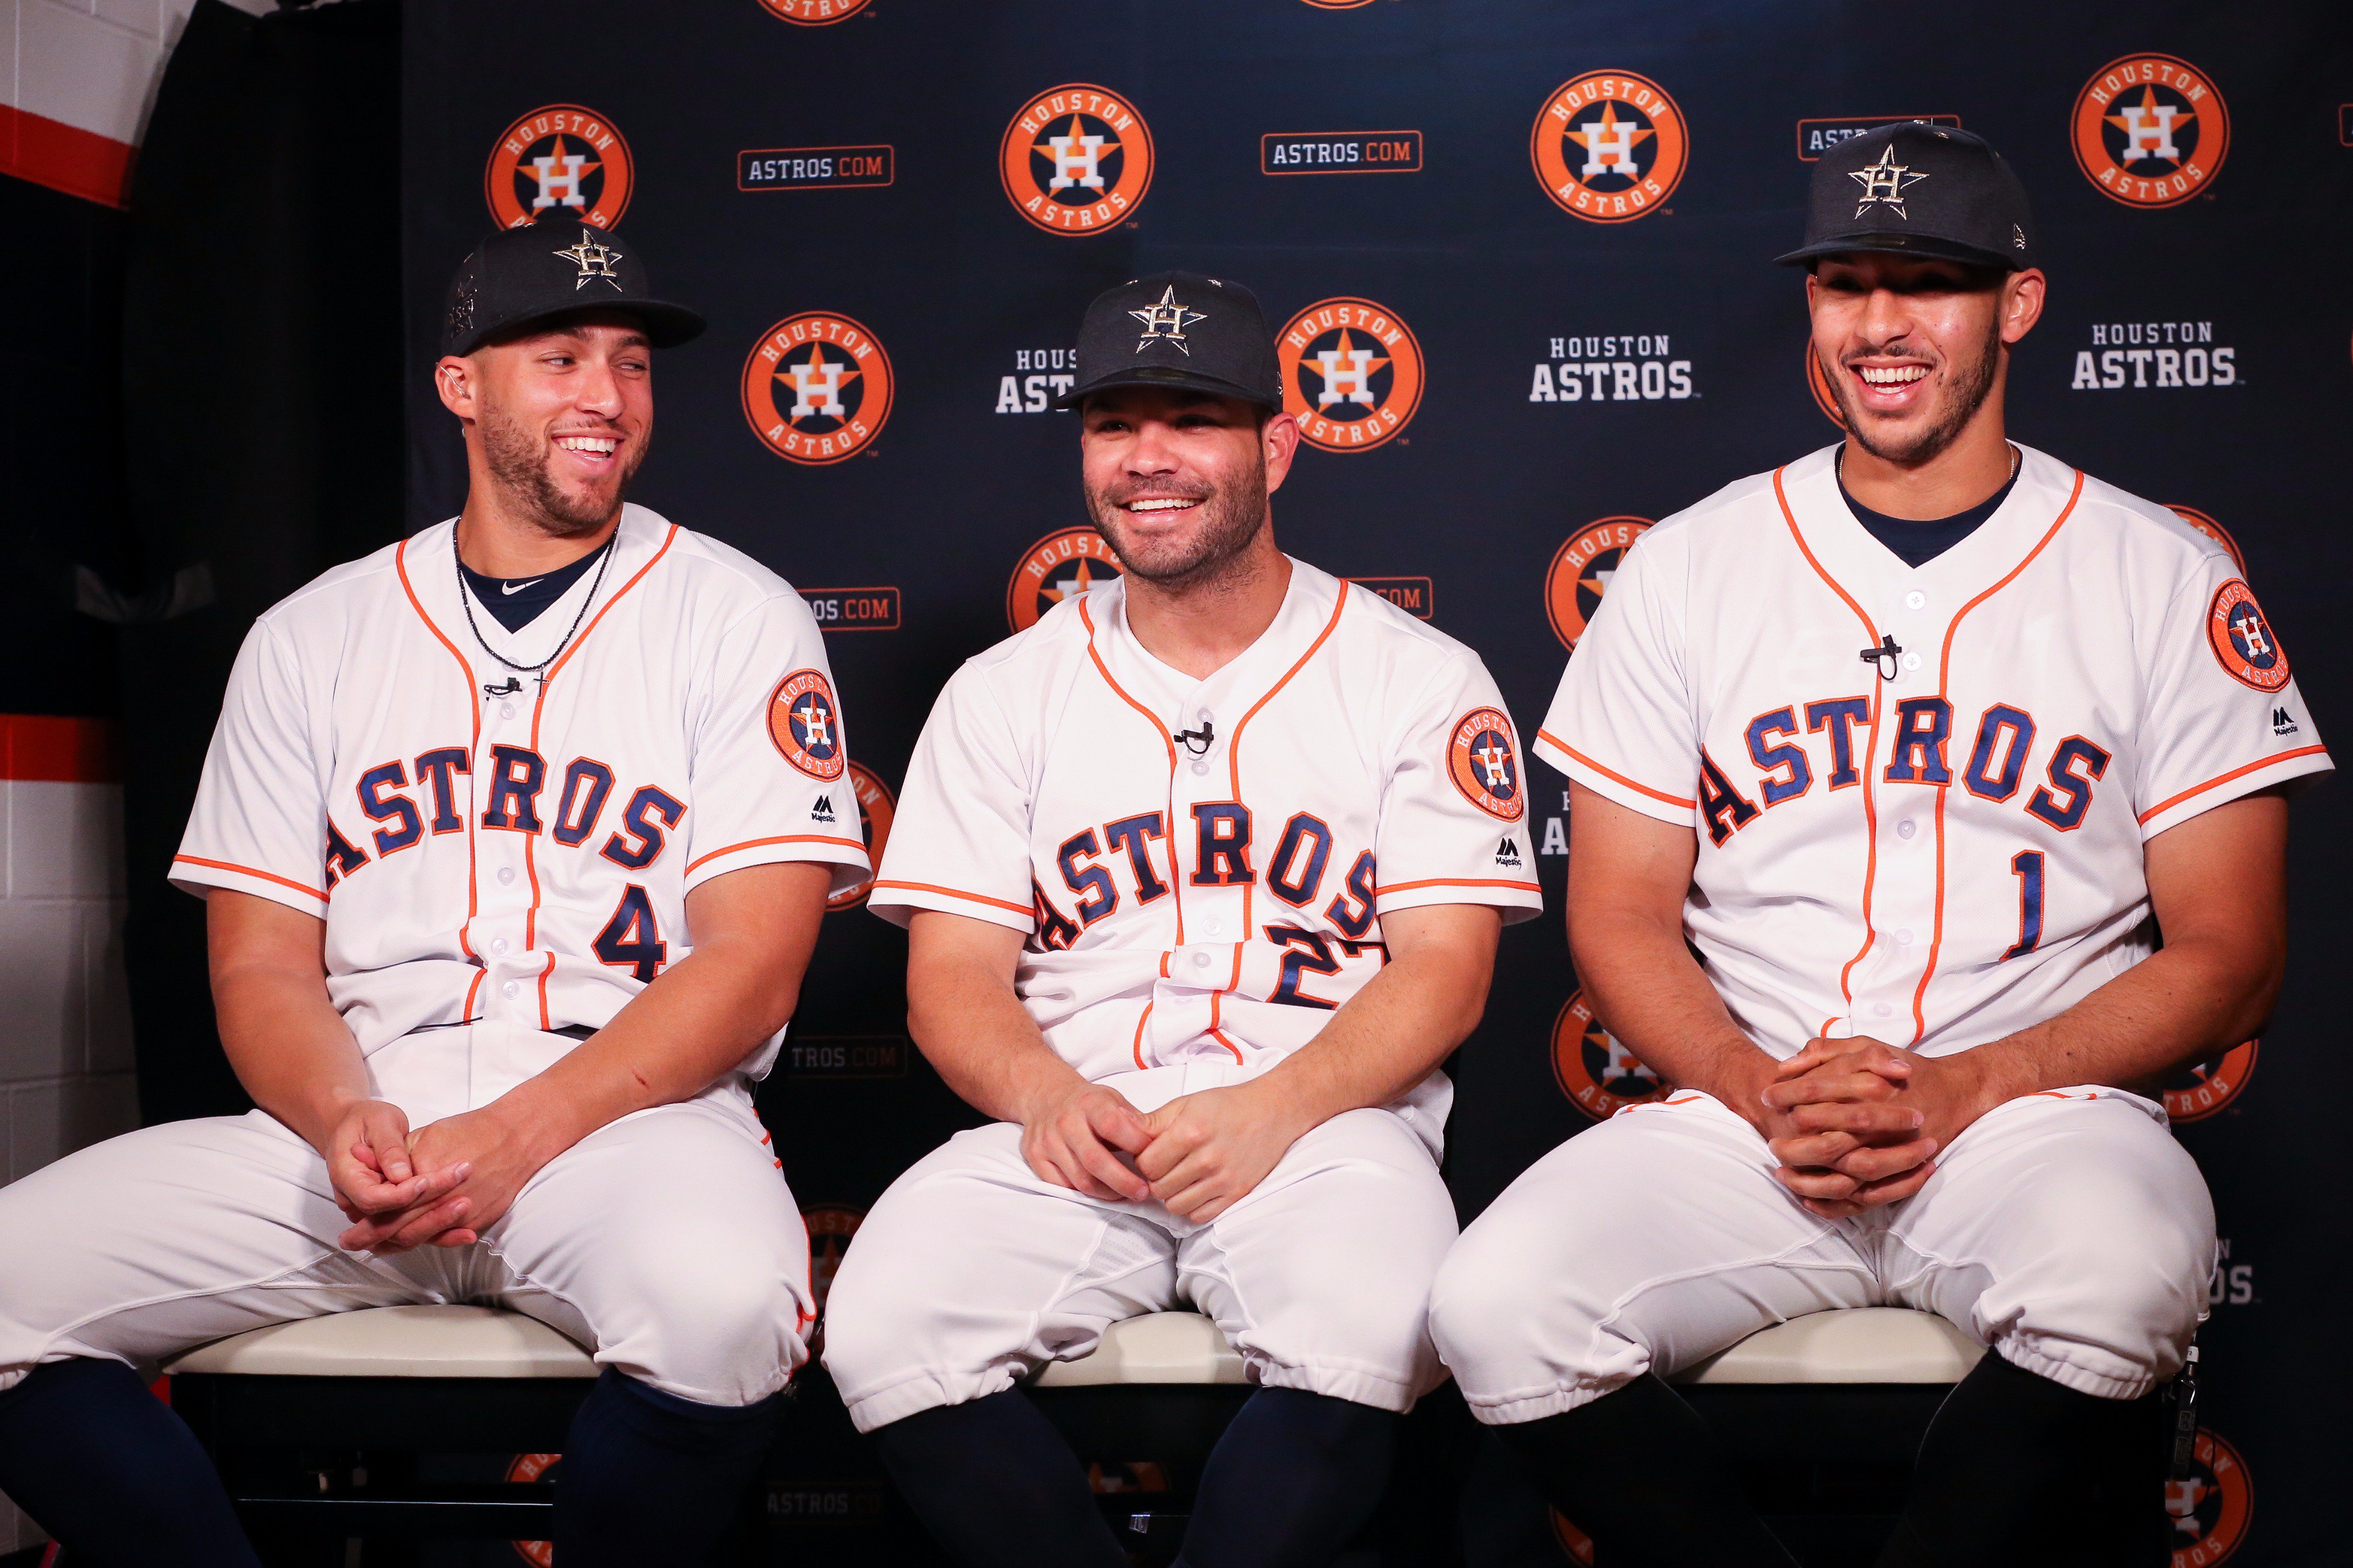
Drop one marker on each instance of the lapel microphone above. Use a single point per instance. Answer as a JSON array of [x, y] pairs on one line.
[[1204, 735], [1883, 656]]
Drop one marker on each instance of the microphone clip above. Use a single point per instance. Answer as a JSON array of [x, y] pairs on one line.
[[1196, 741], [1883, 656]]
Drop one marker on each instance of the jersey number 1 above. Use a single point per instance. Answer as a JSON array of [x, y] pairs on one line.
[[2027, 865], [630, 940]]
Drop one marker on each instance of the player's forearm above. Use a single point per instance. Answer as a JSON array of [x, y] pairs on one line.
[[1646, 988], [1388, 1036], [289, 1049], [983, 1043]]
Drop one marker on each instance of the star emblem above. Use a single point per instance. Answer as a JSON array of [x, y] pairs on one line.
[[1077, 584], [1164, 320], [2149, 126], [1611, 140], [595, 260], [1597, 581], [1884, 183], [462, 308]]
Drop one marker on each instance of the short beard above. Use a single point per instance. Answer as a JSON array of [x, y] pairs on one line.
[[1973, 383], [519, 460], [1213, 556]]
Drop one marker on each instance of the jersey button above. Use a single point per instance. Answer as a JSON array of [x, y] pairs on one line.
[[1215, 928], [1881, 1008], [1906, 828], [1902, 938], [1200, 961], [1911, 661], [506, 710], [506, 873], [513, 989], [1916, 600], [501, 944], [1202, 767]]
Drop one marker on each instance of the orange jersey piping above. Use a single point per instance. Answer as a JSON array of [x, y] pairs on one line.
[[1659, 794]]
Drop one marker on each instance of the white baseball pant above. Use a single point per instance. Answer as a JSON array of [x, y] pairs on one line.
[[2066, 1230]]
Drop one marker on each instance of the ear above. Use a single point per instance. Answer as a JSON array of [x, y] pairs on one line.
[[454, 379], [1280, 441], [2022, 303]]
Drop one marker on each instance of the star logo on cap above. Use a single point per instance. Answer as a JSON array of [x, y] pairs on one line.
[[462, 308], [1884, 182], [1164, 321], [595, 260]]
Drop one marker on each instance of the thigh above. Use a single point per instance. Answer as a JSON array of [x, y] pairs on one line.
[[1321, 1276], [140, 1247], [668, 1242], [2070, 1231], [1645, 1244], [972, 1271]]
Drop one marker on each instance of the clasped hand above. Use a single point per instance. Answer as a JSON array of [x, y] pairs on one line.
[[1199, 1155], [1858, 1123], [442, 1185]]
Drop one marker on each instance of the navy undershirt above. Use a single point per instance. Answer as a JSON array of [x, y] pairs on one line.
[[516, 602], [1920, 542]]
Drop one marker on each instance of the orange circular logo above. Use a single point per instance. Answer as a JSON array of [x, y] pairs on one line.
[[1602, 1077], [1609, 146], [1580, 572], [562, 161], [1571, 1540], [1486, 764], [1076, 160], [1351, 373], [1820, 384], [817, 387], [813, 13], [1339, 4], [2211, 530], [2150, 131], [804, 722], [876, 806], [2211, 1509], [1060, 566], [2242, 640], [830, 1227], [534, 1468], [2206, 1087]]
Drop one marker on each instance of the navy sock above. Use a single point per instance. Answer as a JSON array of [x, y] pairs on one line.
[[107, 1468], [997, 1485], [1293, 1478], [1639, 1471], [650, 1478]]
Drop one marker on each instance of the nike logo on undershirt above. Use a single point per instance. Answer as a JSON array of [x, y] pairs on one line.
[[515, 587]]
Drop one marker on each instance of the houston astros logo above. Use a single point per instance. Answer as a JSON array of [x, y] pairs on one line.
[[1485, 764], [876, 806], [2242, 640], [1076, 160], [806, 723], [2150, 131], [830, 1227], [2211, 530], [2209, 1509], [1062, 565], [1609, 146], [562, 161], [2206, 1087], [1592, 1068], [1164, 321], [1580, 572], [813, 13], [1883, 185], [1571, 1540], [817, 387], [1819, 385], [1351, 373], [534, 1468]]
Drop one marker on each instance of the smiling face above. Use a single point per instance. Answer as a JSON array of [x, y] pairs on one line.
[[1912, 347], [1177, 481], [560, 419]]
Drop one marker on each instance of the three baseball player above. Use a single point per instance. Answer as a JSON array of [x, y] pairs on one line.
[[1912, 864]]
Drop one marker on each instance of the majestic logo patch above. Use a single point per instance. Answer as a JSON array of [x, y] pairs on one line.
[[1609, 146], [2207, 1086], [562, 161], [1076, 160], [830, 1227], [1602, 1077], [813, 13], [1580, 572], [2150, 131], [817, 387], [1060, 566], [1486, 764], [2211, 1509], [1352, 373], [876, 806], [2242, 641], [1883, 183], [806, 723], [2211, 530]]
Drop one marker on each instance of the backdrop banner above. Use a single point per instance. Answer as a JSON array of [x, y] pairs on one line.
[[1518, 253]]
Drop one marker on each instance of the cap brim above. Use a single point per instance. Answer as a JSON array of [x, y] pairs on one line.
[[1166, 380], [666, 325], [1923, 244]]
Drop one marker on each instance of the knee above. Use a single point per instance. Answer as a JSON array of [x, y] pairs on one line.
[[872, 1330], [716, 1325], [1488, 1300]]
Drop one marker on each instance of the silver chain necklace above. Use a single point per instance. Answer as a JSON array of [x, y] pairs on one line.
[[466, 601]]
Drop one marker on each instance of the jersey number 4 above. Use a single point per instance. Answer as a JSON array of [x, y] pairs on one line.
[[630, 940]]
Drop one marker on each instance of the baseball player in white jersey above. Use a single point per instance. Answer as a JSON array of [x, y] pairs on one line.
[[1203, 876], [515, 837], [1917, 742]]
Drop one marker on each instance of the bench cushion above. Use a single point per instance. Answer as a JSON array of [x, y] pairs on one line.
[[396, 1341], [1856, 1344], [1157, 1347]]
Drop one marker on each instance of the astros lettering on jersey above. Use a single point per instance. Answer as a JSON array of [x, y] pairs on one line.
[[510, 848], [1935, 840], [1201, 865]]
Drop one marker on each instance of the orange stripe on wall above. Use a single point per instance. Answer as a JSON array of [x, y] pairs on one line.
[[70, 751], [64, 157]]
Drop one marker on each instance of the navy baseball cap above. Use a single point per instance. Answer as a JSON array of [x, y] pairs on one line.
[[534, 275], [1177, 330], [1918, 190]]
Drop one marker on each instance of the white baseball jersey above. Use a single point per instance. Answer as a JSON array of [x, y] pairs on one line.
[[1201, 866], [511, 848], [1947, 855]]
